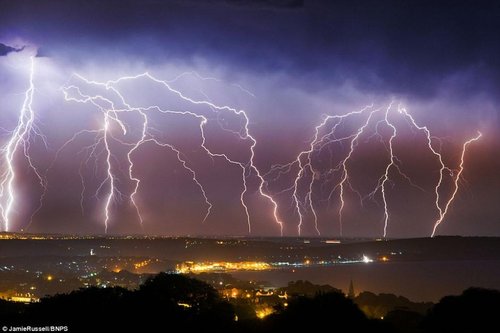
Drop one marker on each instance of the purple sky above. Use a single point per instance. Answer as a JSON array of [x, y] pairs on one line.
[[287, 64]]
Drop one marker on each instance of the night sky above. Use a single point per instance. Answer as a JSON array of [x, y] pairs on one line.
[[287, 64]]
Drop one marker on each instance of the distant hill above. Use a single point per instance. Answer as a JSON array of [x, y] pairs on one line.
[[181, 248]]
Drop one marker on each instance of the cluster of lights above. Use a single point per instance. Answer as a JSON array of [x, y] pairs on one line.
[[191, 267], [142, 264]]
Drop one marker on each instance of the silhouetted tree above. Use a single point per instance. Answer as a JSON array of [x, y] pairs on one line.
[[184, 302], [167, 301], [376, 306], [306, 288], [332, 311], [404, 320], [244, 309], [81, 310], [9, 311], [476, 310], [161, 302]]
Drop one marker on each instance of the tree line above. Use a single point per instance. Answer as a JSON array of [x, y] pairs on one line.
[[169, 301]]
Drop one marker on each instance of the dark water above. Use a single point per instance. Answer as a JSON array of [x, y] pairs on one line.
[[419, 281]]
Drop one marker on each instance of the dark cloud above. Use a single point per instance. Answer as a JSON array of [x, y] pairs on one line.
[[42, 52], [5, 49], [397, 47], [267, 3]]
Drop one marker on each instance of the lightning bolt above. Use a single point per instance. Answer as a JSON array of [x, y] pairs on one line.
[[304, 164], [387, 169], [103, 137], [111, 114], [442, 211], [345, 170], [114, 130], [303, 202], [20, 141], [456, 179]]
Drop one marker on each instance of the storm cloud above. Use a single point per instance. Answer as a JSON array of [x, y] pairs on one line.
[[295, 60], [5, 49]]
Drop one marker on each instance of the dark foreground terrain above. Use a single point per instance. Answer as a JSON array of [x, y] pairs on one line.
[[170, 301]]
